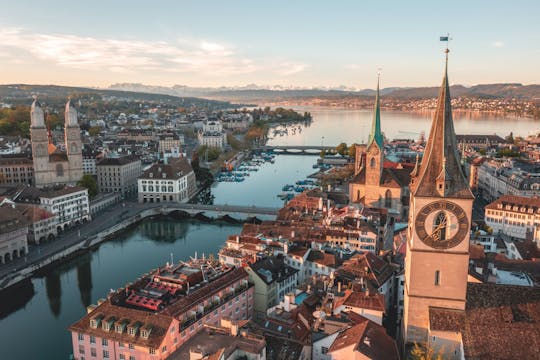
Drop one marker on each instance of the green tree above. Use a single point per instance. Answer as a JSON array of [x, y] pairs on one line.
[[322, 153], [342, 149], [94, 131], [211, 152], [88, 181]]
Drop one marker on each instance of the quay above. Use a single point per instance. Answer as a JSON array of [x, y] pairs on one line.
[[110, 223]]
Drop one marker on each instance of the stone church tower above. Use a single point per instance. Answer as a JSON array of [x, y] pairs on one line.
[[437, 258], [52, 165], [374, 160]]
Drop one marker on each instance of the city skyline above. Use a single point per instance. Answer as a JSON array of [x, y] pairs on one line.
[[300, 44]]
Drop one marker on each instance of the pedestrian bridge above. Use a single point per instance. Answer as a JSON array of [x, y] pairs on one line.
[[297, 149]]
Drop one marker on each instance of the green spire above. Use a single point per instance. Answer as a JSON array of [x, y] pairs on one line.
[[376, 134]]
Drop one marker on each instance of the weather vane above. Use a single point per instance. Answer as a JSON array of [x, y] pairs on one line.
[[446, 38]]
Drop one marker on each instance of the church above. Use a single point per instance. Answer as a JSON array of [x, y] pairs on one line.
[[445, 309], [54, 165], [378, 183]]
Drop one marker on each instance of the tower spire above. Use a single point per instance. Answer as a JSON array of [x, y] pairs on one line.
[[440, 174], [376, 134]]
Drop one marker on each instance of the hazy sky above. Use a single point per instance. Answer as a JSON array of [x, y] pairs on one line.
[[300, 43]]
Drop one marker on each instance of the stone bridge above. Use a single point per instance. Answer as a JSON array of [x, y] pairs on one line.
[[297, 149]]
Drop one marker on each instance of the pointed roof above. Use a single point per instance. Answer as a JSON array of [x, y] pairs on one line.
[[376, 134], [440, 174]]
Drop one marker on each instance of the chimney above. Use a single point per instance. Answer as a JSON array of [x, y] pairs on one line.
[[367, 291], [292, 234], [237, 239], [339, 286], [234, 329]]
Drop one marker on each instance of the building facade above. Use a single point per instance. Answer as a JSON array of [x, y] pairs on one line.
[[51, 165], [515, 216], [119, 174], [189, 297], [172, 182], [70, 205], [16, 169], [213, 135], [13, 234]]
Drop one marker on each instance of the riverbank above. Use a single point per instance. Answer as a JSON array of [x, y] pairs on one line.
[[67, 248]]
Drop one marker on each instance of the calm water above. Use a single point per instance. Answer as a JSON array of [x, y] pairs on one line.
[[38, 329], [353, 126], [34, 320]]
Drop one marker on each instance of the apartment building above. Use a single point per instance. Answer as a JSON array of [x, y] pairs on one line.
[[515, 216], [16, 169], [119, 174]]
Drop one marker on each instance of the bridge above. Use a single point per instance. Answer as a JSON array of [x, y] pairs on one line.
[[297, 149], [234, 211]]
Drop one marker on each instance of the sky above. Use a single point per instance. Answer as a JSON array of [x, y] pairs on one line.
[[290, 43]]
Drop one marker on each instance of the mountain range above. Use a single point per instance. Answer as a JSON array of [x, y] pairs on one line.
[[255, 93]]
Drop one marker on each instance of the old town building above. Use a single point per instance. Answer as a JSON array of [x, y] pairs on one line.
[[119, 174]]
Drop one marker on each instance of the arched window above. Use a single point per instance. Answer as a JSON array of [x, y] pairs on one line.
[[59, 170], [357, 195], [388, 199], [73, 148], [372, 163], [440, 226]]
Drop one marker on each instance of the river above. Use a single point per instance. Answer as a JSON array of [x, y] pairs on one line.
[[34, 320]]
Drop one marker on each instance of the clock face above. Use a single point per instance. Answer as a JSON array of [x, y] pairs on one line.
[[441, 225]]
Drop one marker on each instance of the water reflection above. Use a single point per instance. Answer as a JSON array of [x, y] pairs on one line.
[[84, 279], [15, 298], [53, 286], [164, 231]]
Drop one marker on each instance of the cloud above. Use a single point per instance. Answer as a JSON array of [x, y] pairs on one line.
[[125, 56], [289, 68], [497, 44]]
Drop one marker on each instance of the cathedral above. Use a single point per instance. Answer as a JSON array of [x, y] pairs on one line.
[[378, 183], [54, 165]]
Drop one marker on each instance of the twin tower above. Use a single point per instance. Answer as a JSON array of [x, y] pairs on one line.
[[54, 165]]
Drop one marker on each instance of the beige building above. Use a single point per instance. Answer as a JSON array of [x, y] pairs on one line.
[[119, 174], [374, 184], [437, 255], [51, 165], [169, 141], [213, 135], [13, 234], [16, 169]]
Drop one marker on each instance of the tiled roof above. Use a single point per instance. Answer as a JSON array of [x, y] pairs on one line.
[[160, 323], [360, 299], [174, 170], [368, 338], [512, 200], [499, 322]]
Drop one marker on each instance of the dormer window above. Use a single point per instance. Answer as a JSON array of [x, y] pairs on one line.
[[151, 175]]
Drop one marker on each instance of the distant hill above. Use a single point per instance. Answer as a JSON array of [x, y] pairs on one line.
[[254, 93], [21, 94]]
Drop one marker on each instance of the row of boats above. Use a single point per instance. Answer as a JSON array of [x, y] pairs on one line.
[[240, 173], [290, 191]]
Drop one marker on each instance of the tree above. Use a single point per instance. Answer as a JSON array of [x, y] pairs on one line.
[[352, 150], [342, 149], [211, 152], [419, 352], [88, 181], [94, 131], [322, 153]]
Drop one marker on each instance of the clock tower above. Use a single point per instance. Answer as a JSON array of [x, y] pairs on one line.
[[374, 156], [437, 258]]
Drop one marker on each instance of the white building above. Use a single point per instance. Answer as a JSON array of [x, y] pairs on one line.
[[515, 216], [172, 182], [70, 205], [213, 135], [13, 234]]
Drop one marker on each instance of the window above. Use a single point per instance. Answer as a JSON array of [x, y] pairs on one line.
[[131, 346], [152, 351], [324, 349], [81, 337], [121, 345], [388, 199], [437, 277], [93, 352], [92, 339], [131, 357], [105, 354], [104, 342], [164, 349], [122, 357], [81, 349], [372, 163]]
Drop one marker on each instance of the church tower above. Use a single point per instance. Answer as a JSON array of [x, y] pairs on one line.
[[72, 136], [374, 160], [437, 258], [40, 144]]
